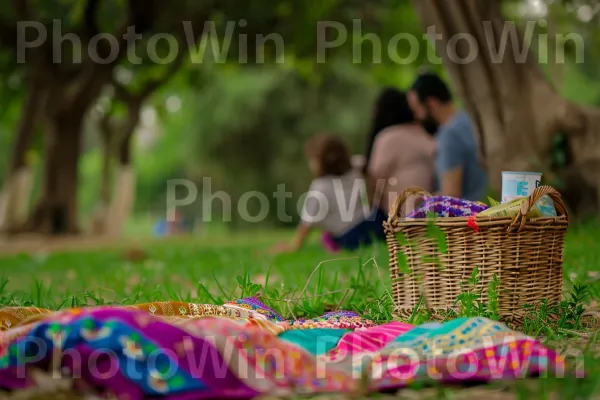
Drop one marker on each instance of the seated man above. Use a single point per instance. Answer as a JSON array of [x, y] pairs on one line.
[[459, 170]]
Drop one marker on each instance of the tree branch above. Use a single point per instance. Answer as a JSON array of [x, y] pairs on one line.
[[154, 84], [197, 21], [134, 101], [151, 86], [8, 29], [121, 92], [8, 34], [106, 128], [90, 17], [30, 115], [22, 10], [141, 14]]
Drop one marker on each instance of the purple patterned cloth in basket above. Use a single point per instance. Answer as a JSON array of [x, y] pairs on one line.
[[444, 206]]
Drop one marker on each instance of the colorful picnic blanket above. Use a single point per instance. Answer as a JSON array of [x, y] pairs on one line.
[[244, 349]]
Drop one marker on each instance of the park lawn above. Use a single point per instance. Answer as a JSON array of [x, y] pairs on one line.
[[216, 269]]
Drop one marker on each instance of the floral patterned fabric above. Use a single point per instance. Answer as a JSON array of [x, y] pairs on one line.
[[331, 321], [255, 305], [248, 308], [444, 206], [132, 353]]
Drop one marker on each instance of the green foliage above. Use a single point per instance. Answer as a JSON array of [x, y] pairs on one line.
[[574, 306], [246, 286], [438, 235], [468, 300], [493, 298], [246, 131], [244, 125]]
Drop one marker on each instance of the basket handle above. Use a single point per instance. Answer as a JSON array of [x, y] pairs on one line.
[[400, 200], [521, 218]]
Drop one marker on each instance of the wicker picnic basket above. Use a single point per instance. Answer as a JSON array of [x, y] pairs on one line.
[[525, 254]]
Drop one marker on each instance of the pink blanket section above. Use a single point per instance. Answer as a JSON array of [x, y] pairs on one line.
[[368, 340]]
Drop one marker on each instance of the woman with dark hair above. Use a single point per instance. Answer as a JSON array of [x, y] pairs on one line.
[[400, 153]]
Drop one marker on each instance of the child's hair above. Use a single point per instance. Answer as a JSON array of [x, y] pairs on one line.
[[331, 154]]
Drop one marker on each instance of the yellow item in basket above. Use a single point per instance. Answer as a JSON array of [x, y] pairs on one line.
[[544, 207], [493, 202]]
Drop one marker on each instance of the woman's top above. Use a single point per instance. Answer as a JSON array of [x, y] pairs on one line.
[[402, 156]]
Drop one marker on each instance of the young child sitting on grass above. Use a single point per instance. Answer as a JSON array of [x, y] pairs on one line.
[[337, 200]]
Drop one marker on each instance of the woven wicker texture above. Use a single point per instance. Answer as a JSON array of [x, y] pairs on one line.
[[526, 256]]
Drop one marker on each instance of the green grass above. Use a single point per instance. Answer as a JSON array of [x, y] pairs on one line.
[[202, 270], [214, 269]]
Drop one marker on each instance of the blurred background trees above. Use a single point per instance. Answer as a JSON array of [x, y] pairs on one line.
[[88, 145]]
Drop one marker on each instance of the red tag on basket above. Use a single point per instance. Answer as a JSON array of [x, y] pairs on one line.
[[473, 223]]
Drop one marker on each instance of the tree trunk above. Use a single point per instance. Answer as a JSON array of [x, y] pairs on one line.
[[100, 219], [69, 99], [56, 211], [124, 191], [125, 149], [107, 155], [14, 201], [123, 199], [34, 102], [556, 68], [516, 110]]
